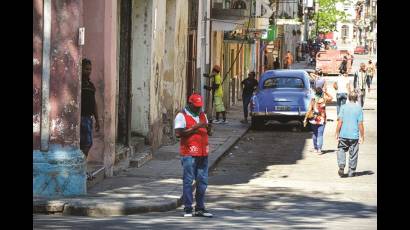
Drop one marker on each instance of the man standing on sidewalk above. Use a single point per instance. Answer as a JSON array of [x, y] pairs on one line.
[[360, 82], [88, 108], [191, 125], [350, 123]]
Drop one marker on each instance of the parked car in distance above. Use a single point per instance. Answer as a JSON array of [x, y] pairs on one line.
[[282, 95], [360, 50]]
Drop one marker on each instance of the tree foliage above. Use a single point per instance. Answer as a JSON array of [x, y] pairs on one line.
[[329, 15]]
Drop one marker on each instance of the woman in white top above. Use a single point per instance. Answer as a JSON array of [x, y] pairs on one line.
[[342, 85]]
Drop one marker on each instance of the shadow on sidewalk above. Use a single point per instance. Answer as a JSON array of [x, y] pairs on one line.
[[328, 151], [364, 173]]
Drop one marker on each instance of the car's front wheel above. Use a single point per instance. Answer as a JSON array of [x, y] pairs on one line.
[[257, 122]]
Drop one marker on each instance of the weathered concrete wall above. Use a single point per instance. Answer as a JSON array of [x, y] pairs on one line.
[[141, 65], [94, 11], [110, 83], [168, 76], [61, 169], [37, 69], [157, 68], [65, 72], [180, 65], [59, 172]]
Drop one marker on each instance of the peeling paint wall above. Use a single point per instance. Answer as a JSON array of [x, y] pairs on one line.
[[181, 49], [60, 171], [37, 68], [141, 65], [159, 53], [65, 72], [157, 68], [167, 86]]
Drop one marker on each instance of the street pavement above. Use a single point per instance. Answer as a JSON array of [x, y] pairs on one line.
[[156, 186], [270, 179]]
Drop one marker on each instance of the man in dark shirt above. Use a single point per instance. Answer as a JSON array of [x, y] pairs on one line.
[[343, 66], [249, 85], [88, 108], [276, 64]]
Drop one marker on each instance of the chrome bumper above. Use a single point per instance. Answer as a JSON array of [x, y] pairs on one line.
[[279, 113]]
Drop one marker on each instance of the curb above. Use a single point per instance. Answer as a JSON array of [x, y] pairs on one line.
[[74, 207]]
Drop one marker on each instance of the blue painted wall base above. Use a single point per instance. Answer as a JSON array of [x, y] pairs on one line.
[[59, 172]]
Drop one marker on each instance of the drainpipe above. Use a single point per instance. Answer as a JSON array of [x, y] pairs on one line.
[[45, 78], [203, 18]]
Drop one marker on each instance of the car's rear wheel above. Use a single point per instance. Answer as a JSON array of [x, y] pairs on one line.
[[257, 123]]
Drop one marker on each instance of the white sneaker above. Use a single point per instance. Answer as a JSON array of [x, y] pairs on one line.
[[224, 122], [216, 122], [188, 212]]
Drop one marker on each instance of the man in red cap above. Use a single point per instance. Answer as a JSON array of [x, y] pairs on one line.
[[191, 125]]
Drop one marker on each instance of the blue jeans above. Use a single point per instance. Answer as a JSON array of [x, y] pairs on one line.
[[318, 131], [195, 168], [341, 100], [86, 132], [246, 99]]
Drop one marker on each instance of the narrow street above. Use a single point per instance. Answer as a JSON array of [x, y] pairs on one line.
[[270, 180]]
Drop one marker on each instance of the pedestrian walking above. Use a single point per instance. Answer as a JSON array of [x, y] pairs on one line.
[[288, 60], [343, 66], [276, 64], [342, 87], [248, 86], [218, 95], [191, 125], [360, 82], [349, 126], [371, 71], [316, 114]]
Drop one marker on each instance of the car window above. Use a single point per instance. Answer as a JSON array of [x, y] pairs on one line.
[[283, 82]]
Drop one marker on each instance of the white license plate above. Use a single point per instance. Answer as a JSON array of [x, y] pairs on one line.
[[282, 108]]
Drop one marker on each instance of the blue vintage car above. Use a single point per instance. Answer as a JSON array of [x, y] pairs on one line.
[[282, 95]]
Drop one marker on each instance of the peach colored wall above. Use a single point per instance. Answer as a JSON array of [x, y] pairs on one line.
[[100, 22], [110, 79], [92, 49]]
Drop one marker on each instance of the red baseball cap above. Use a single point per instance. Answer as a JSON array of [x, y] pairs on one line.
[[196, 100]]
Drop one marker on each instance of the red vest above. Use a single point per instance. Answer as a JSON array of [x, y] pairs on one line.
[[196, 144]]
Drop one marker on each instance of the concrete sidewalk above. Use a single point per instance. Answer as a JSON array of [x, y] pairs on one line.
[[156, 186]]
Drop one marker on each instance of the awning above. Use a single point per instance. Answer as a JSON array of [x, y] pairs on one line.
[[228, 25]]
